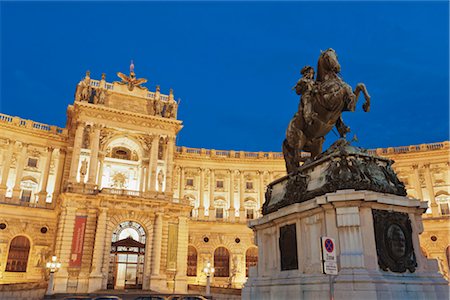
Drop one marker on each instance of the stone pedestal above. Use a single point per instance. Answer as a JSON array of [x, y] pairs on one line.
[[357, 199]]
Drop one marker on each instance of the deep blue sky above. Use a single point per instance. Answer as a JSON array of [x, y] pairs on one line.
[[233, 64]]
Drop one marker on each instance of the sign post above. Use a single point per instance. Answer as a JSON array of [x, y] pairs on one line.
[[329, 261]]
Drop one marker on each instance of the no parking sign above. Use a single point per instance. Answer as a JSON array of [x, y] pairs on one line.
[[329, 256]]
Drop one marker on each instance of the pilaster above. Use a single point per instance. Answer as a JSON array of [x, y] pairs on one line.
[[19, 170], [153, 163], [6, 166], [430, 189], [350, 239], [242, 215], [232, 210], [96, 277], [93, 165], [212, 185], [76, 152], [46, 174], [201, 207], [63, 247]]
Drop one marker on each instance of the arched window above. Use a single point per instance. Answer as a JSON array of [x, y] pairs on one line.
[[221, 262], [192, 261], [19, 249], [251, 259]]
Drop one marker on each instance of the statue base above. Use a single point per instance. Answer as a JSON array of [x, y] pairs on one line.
[[356, 199]]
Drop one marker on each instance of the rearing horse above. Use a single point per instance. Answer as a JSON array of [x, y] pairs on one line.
[[330, 97]]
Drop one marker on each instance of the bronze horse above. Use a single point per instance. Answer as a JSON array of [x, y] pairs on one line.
[[330, 97]]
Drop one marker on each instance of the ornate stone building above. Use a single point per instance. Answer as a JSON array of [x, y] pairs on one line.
[[123, 207]]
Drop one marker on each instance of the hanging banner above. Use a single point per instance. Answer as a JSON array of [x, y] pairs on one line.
[[77, 241]]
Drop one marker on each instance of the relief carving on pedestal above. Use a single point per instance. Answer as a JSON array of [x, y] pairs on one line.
[[393, 236]]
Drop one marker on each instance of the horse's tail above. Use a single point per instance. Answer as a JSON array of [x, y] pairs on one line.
[[289, 156]]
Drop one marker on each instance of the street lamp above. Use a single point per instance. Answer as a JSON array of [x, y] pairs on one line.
[[209, 271], [53, 266]]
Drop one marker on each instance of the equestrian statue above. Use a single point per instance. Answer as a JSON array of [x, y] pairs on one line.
[[322, 102]]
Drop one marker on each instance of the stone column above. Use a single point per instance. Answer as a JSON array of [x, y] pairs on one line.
[[169, 164], [417, 184], [63, 247], [262, 190], [182, 183], [76, 152], [153, 164], [157, 241], [182, 246], [93, 164], [232, 210], [100, 170], [242, 215], [19, 170], [212, 185], [46, 173], [430, 189], [7, 157], [95, 278], [142, 177], [59, 174], [201, 206]]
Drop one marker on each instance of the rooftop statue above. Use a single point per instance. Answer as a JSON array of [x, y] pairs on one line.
[[322, 102], [131, 80]]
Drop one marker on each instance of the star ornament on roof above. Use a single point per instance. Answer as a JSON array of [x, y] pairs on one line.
[[131, 81]]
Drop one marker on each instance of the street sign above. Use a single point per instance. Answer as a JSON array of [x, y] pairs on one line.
[[329, 264], [330, 267], [328, 249]]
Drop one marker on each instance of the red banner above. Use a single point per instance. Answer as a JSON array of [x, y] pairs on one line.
[[78, 241]]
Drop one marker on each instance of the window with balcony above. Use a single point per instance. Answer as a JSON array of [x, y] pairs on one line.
[[26, 195], [219, 212]]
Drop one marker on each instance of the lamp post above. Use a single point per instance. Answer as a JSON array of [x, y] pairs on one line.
[[209, 271], [53, 266]]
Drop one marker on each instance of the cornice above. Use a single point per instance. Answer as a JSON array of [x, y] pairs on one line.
[[100, 108]]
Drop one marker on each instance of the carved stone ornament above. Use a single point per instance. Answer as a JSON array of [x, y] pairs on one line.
[[393, 235], [342, 167]]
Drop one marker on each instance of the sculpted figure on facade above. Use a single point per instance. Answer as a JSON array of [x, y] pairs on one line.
[[160, 180], [324, 101], [84, 88], [83, 168], [131, 81]]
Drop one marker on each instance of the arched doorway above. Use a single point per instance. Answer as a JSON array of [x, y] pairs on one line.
[[126, 265], [19, 249], [251, 259], [222, 262]]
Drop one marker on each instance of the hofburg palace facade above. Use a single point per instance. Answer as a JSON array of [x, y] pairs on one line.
[[122, 206]]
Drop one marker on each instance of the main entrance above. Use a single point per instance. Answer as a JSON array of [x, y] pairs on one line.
[[126, 265]]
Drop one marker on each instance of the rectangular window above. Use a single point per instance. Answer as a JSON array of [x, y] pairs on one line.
[[32, 162], [26, 196], [444, 208], [219, 184], [249, 185], [219, 213], [250, 214], [190, 182]]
